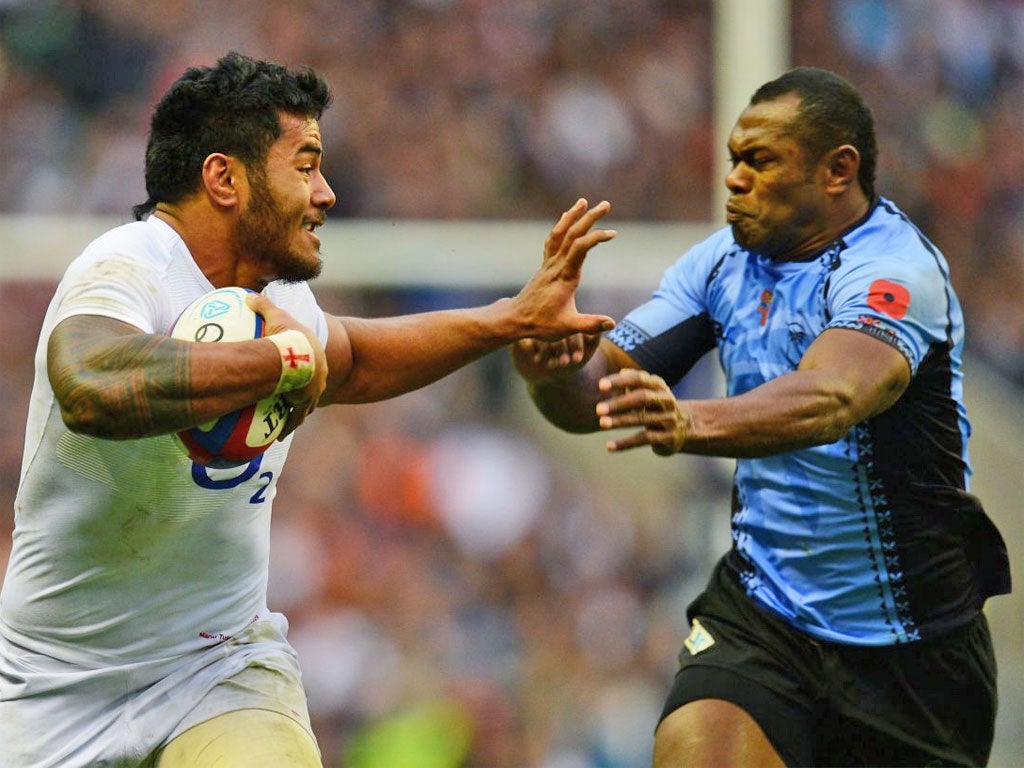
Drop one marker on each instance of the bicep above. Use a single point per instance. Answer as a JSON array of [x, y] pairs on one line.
[[98, 368], [84, 342], [870, 374], [340, 359]]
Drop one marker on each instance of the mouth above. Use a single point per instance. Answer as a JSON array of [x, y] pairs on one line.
[[310, 226], [733, 214]]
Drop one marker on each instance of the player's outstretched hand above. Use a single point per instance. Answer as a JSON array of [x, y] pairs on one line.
[[301, 401], [636, 398], [547, 303]]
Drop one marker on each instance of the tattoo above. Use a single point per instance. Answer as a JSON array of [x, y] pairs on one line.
[[112, 381]]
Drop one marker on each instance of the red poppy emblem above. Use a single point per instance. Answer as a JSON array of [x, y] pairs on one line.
[[889, 298]]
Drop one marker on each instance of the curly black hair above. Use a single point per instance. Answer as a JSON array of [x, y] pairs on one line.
[[232, 107]]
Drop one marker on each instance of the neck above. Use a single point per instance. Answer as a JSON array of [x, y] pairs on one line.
[[207, 236]]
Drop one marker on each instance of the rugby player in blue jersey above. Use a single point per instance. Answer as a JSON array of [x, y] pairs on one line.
[[845, 625]]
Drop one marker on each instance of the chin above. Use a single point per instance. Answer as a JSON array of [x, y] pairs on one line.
[[302, 269]]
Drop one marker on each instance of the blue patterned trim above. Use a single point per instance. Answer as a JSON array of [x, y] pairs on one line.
[[628, 336]]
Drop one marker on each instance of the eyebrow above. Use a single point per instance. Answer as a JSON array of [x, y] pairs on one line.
[[310, 148], [746, 151]]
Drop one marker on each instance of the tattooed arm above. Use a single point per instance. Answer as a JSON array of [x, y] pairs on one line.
[[114, 381]]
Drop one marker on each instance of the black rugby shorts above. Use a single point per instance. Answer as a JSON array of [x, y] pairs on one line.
[[927, 703]]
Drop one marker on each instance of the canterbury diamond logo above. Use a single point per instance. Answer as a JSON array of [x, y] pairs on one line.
[[699, 640]]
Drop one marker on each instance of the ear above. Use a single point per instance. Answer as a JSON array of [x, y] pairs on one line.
[[222, 177], [842, 165]]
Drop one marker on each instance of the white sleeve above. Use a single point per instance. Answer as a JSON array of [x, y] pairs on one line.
[[116, 285]]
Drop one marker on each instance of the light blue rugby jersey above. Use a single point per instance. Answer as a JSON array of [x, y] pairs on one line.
[[873, 539]]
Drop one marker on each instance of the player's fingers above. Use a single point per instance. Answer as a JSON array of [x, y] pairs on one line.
[[593, 324], [557, 354], [581, 247], [625, 400], [635, 440], [260, 304], [296, 416], [581, 237], [555, 240]]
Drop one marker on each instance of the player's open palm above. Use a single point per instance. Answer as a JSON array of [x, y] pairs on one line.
[[547, 303]]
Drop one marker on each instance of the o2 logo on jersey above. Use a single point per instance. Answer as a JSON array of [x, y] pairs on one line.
[[201, 477]]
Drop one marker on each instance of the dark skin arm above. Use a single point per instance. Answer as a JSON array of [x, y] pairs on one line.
[[114, 381], [376, 359], [845, 377], [562, 377]]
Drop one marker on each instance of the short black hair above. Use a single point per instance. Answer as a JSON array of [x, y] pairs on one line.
[[831, 113], [232, 107]]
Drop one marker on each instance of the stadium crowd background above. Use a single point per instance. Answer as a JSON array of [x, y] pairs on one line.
[[462, 591]]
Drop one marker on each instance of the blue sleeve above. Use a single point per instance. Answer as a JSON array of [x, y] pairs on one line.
[[669, 333], [899, 298]]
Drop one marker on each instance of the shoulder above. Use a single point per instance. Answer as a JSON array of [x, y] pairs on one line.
[[151, 234], [291, 296], [889, 235], [140, 245], [888, 246], [703, 259]]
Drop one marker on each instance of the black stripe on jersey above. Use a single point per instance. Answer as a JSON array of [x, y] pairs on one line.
[[670, 354], [942, 553]]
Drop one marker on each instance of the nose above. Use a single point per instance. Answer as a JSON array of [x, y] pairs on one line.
[[323, 195], [737, 180]]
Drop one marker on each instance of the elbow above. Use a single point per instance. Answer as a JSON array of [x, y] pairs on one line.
[[87, 409], [830, 433], [80, 417], [838, 419]]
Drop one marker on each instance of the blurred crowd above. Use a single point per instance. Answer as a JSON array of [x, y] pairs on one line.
[[464, 590]]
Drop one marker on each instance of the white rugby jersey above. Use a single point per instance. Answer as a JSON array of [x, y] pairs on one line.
[[125, 551]]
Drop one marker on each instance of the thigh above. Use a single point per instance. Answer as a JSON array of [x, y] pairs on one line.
[[710, 733], [738, 653], [720, 716], [245, 738]]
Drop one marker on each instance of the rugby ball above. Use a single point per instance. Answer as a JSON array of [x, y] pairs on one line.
[[235, 438]]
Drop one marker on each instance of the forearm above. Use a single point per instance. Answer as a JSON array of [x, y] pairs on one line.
[[795, 411], [569, 401], [132, 385], [386, 357]]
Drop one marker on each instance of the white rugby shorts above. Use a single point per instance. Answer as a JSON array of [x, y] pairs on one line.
[[55, 715]]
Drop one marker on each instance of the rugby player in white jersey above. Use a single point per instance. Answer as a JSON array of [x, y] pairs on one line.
[[134, 628]]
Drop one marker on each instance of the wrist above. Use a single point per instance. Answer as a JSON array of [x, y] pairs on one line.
[[298, 362]]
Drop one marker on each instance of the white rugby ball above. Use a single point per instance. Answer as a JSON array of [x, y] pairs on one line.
[[235, 438]]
